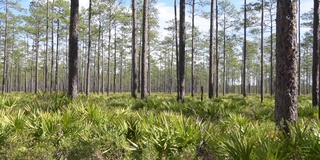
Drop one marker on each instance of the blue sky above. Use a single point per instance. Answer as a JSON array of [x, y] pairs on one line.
[[165, 8]]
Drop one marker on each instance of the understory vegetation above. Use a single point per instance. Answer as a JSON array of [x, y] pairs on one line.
[[48, 126]]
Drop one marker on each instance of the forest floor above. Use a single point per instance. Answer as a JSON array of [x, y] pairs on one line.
[[51, 126]]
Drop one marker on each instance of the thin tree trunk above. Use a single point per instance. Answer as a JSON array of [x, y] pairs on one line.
[[211, 51], [182, 44], [149, 65], [102, 62], [73, 49], [109, 54], [192, 50], [244, 51], [27, 51], [89, 51], [19, 77], [98, 66], [299, 49], [52, 48], [37, 58], [177, 47], [217, 52], [94, 87], [144, 49], [47, 48], [25, 81], [171, 65], [31, 81], [66, 66], [115, 60], [315, 59], [134, 76], [271, 53], [224, 56], [57, 58], [139, 66], [120, 70], [5, 55], [261, 47]]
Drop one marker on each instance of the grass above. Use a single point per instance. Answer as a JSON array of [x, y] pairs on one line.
[[47, 126]]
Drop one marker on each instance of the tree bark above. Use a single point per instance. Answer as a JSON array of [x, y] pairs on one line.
[[211, 51], [182, 44], [115, 60], [217, 52], [109, 54], [134, 74], [102, 62], [73, 49], [286, 105], [52, 48], [37, 57], [98, 67], [299, 49], [224, 56], [144, 49], [57, 57], [89, 51], [261, 47], [149, 65], [192, 50], [177, 45], [271, 52], [315, 59], [244, 51], [47, 48], [5, 54]]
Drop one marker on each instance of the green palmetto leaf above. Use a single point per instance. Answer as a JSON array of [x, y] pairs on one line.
[[15, 120]]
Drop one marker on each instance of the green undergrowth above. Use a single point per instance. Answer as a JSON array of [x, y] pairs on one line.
[[52, 126]]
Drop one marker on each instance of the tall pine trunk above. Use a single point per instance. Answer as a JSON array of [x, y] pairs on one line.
[[52, 48], [261, 47], [47, 48], [224, 56], [109, 54], [57, 58], [89, 51], [315, 59], [299, 49], [244, 51], [37, 58], [144, 49], [271, 51], [98, 66], [286, 95], [192, 51], [134, 74], [217, 52], [73, 49], [182, 53], [5, 54], [102, 62], [211, 51], [115, 60], [177, 46]]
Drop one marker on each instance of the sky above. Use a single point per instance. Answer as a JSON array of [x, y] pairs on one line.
[[166, 12]]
